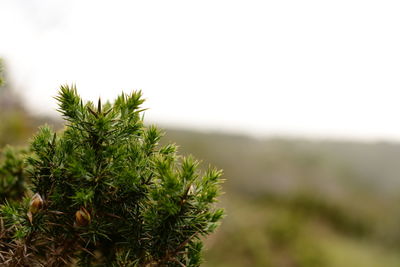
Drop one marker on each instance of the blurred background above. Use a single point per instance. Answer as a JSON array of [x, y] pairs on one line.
[[296, 100]]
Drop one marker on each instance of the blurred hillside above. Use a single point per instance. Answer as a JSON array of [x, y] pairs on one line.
[[290, 202], [17, 125], [302, 202]]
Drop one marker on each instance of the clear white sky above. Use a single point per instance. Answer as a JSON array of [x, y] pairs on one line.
[[309, 68]]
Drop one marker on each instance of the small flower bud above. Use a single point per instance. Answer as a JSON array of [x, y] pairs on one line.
[[192, 190], [82, 217], [35, 205]]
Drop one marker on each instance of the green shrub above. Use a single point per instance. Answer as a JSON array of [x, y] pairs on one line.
[[104, 193]]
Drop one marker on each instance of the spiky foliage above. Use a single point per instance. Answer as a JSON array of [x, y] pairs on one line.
[[106, 194]]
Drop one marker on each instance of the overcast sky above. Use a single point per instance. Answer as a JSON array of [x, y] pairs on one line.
[[304, 68]]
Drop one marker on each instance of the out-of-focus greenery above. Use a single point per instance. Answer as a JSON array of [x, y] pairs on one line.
[[12, 172], [289, 202], [301, 202], [1, 72], [17, 125]]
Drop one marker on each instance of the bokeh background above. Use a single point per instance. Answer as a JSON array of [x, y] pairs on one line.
[[298, 102]]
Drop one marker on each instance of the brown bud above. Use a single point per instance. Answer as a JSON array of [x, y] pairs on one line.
[[35, 205], [82, 217]]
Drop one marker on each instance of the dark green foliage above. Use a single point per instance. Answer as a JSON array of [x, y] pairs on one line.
[[111, 195]]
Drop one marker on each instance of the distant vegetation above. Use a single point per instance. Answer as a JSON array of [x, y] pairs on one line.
[[17, 125], [294, 202]]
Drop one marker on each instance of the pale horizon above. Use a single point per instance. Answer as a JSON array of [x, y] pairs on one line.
[[313, 69]]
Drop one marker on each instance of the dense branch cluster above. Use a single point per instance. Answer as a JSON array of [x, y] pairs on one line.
[[103, 192]]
